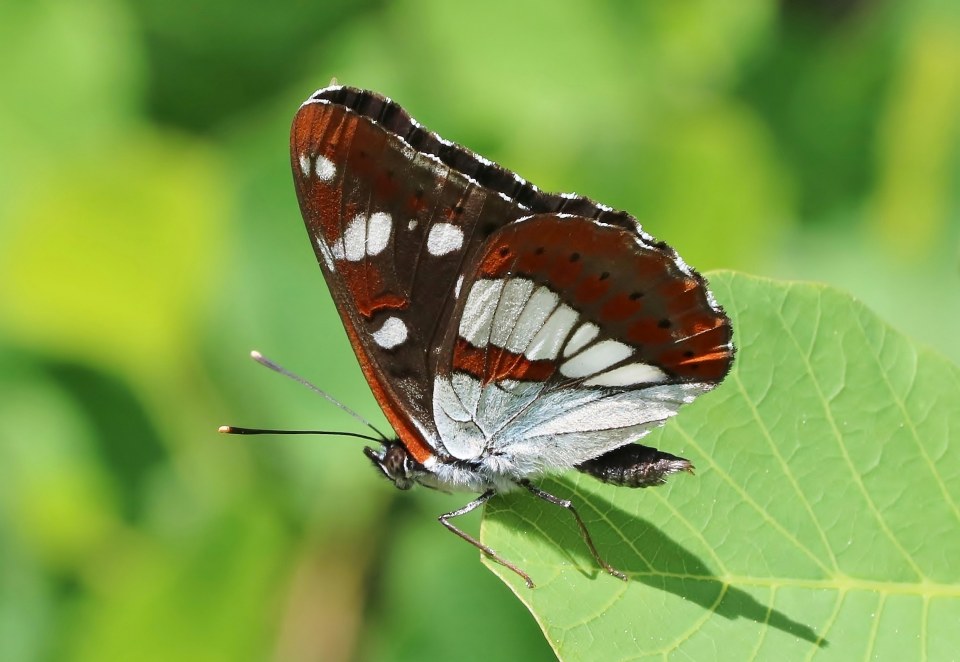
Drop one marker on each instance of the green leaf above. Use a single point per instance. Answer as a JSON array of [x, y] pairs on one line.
[[823, 521]]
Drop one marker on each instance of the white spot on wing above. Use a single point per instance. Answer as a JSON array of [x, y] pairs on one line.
[[456, 289], [478, 311], [531, 320], [596, 358], [378, 232], [444, 238], [352, 246], [324, 168], [392, 333], [363, 236], [305, 165], [515, 295], [587, 332], [546, 344], [412, 224], [628, 375]]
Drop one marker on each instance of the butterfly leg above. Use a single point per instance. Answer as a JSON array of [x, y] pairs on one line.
[[563, 503], [479, 501]]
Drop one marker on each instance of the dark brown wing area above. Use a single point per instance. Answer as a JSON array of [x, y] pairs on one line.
[[391, 227]]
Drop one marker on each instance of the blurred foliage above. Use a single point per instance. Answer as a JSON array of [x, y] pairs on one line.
[[149, 237]]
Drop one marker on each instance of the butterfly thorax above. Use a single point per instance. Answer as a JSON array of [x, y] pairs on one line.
[[445, 474]]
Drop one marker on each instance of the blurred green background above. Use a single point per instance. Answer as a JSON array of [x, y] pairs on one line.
[[150, 237]]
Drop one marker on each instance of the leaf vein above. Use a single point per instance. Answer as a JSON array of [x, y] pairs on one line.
[[911, 424], [751, 502], [857, 478], [768, 437]]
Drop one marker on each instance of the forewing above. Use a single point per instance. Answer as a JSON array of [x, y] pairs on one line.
[[573, 337], [392, 212]]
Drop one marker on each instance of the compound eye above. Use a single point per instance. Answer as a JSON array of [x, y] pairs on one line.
[[395, 462]]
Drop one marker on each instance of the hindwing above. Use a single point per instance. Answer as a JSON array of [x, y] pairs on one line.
[[573, 337]]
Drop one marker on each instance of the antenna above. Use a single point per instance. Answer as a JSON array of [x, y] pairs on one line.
[[230, 429], [264, 361]]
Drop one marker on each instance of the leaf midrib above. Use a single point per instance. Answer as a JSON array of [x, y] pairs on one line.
[[838, 583]]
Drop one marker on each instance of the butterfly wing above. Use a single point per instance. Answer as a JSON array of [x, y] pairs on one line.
[[573, 337], [409, 228], [393, 213]]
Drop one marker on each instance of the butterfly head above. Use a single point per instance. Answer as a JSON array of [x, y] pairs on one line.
[[395, 463]]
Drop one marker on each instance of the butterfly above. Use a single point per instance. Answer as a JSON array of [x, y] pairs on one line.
[[506, 332]]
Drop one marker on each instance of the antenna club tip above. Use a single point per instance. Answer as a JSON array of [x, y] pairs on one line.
[[256, 356], [225, 429]]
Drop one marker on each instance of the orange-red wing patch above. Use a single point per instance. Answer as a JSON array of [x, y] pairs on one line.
[[491, 364]]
